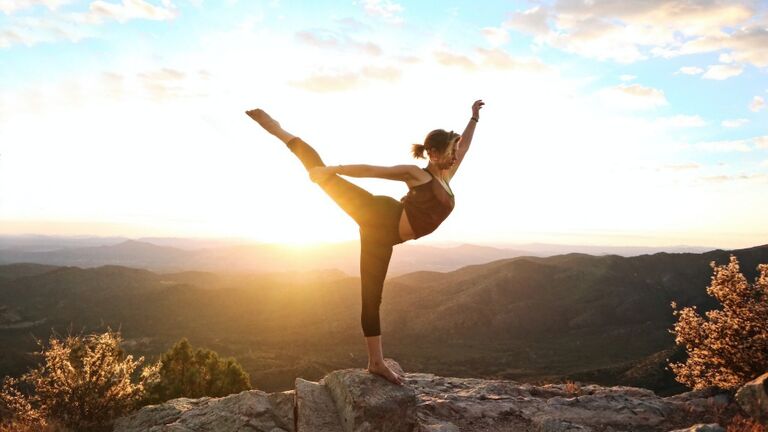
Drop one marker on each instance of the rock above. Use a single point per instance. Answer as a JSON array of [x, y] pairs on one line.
[[251, 410], [753, 398], [315, 409], [712, 427], [368, 402], [353, 400]]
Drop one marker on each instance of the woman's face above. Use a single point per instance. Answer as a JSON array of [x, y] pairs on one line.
[[447, 159]]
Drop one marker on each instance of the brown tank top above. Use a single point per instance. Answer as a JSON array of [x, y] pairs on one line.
[[427, 205]]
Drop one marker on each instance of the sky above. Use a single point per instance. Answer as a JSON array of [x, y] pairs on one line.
[[606, 122]]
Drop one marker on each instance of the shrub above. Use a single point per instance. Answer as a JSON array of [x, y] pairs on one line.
[[184, 372], [730, 346], [83, 383]]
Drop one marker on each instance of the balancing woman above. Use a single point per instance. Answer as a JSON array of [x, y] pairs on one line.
[[384, 221]]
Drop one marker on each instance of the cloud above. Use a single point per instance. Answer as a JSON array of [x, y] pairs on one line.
[[31, 31], [328, 40], [163, 83], [500, 59], [682, 121], [680, 167], [381, 73], [339, 82], [449, 59], [731, 178], [734, 123], [385, 9], [741, 146], [690, 70], [764, 163], [10, 6], [757, 104], [722, 72], [627, 77], [130, 9], [495, 36], [630, 31], [761, 142], [633, 96], [532, 21]]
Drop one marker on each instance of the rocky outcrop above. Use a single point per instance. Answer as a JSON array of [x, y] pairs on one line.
[[352, 400], [753, 398]]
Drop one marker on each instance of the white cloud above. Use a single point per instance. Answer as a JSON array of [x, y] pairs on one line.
[[634, 97], [734, 123], [630, 31], [344, 81], [681, 121], [742, 146], [100, 10], [764, 163], [761, 142], [681, 167], [385, 9], [495, 36], [722, 72], [10, 6], [329, 40], [690, 70], [626, 78], [757, 104]]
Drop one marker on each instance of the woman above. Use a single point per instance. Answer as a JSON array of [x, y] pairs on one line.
[[384, 221]]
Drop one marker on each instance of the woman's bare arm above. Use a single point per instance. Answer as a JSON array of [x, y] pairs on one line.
[[410, 174], [466, 136]]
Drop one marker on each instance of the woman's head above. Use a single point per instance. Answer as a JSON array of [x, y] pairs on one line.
[[438, 144]]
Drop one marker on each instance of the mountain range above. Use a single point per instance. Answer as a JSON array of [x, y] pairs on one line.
[[601, 319], [226, 255]]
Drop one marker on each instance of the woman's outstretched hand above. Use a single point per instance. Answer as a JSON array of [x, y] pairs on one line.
[[476, 108]]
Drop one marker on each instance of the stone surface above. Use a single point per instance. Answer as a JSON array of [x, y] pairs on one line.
[[251, 410], [315, 409], [711, 427], [753, 398], [361, 402], [368, 402]]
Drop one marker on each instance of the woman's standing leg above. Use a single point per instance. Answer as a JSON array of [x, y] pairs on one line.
[[375, 253]]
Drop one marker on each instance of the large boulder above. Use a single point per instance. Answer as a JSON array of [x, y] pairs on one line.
[[251, 410], [368, 402], [315, 409], [753, 398]]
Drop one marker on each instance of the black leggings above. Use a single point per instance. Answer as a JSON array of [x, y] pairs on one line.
[[379, 220]]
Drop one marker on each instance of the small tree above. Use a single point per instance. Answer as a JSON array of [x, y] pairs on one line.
[[84, 383], [184, 372], [730, 346]]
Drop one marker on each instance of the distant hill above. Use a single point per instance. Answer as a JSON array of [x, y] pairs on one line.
[[179, 254], [599, 318]]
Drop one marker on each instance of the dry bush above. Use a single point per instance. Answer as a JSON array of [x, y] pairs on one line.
[[83, 383], [741, 424], [572, 388], [729, 346]]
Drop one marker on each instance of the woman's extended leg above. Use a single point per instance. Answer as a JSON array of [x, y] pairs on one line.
[[354, 200]]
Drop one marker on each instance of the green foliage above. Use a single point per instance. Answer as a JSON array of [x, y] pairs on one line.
[[184, 372], [727, 347], [84, 383]]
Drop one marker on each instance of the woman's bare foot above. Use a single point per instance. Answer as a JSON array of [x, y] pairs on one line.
[[269, 124], [381, 369]]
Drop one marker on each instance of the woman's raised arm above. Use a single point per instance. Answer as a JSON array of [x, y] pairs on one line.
[[466, 136]]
